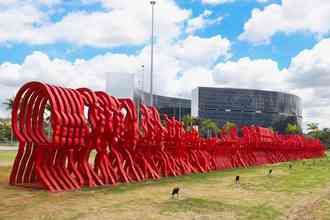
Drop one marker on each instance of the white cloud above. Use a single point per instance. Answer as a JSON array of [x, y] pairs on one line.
[[247, 73], [17, 23], [201, 21], [170, 59], [15, 3], [166, 68], [310, 76], [216, 2], [8, 2], [311, 67], [121, 23], [81, 73], [175, 64], [202, 51], [288, 17], [192, 78], [318, 115], [173, 61], [105, 29], [38, 66]]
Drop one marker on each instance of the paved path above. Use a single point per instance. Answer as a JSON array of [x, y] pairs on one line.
[[8, 148]]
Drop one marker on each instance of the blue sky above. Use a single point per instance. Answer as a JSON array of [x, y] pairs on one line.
[[265, 44], [282, 48]]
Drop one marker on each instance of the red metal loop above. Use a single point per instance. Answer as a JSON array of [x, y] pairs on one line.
[[125, 151]]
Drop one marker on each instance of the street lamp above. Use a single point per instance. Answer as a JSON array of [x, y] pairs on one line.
[[142, 73], [152, 51]]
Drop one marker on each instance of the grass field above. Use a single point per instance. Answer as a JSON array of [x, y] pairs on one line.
[[302, 192]]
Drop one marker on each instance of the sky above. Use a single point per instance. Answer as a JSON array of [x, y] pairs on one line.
[[260, 44]]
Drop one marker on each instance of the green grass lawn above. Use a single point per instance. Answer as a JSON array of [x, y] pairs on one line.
[[302, 192], [8, 144], [7, 158]]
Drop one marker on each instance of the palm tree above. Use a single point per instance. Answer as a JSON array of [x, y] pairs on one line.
[[9, 104], [313, 127], [188, 121], [210, 126]]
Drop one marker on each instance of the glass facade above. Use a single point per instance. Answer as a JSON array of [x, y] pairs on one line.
[[247, 107], [241, 106], [172, 106]]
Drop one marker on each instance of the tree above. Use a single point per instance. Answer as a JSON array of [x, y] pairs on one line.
[[5, 130], [325, 137], [315, 132], [326, 130], [188, 122], [210, 126], [292, 129], [313, 127], [9, 104], [228, 126]]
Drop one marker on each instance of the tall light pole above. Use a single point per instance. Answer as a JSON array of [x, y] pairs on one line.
[[142, 73], [140, 98], [152, 51]]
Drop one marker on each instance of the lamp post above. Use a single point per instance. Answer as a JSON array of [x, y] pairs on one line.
[[142, 77], [152, 51]]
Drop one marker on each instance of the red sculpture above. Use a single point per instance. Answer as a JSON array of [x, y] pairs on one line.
[[127, 149]]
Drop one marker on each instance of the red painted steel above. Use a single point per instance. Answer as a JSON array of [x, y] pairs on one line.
[[86, 123]]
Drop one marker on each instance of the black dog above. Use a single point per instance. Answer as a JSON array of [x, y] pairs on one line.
[[270, 172], [175, 191], [237, 180]]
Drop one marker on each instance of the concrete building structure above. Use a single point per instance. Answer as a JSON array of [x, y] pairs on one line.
[[241, 106]]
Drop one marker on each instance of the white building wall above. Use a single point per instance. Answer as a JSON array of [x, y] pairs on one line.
[[194, 102]]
